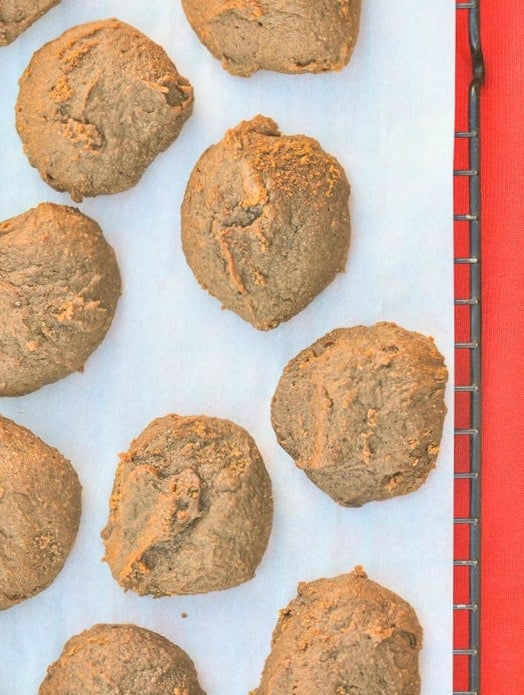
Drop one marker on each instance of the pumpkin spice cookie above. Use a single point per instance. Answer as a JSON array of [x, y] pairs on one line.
[[59, 287], [281, 35], [97, 105], [265, 221], [39, 513], [361, 411], [342, 636], [191, 508], [123, 659], [17, 15]]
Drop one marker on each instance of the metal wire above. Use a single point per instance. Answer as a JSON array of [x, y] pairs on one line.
[[473, 302]]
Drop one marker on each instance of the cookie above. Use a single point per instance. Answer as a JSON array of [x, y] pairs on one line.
[[265, 221], [17, 15], [39, 513], [59, 287], [361, 411], [344, 636], [191, 508], [123, 659], [97, 105], [290, 36]]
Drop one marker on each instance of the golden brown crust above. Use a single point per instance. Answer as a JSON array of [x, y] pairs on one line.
[[191, 508], [97, 105], [39, 513], [127, 659], [265, 221], [361, 411], [59, 287], [289, 36]]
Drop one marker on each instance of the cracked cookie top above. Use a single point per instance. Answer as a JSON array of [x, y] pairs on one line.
[[127, 659], [39, 513], [59, 287], [191, 508], [345, 635], [97, 105], [289, 36], [17, 15], [361, 411], [265, 221]]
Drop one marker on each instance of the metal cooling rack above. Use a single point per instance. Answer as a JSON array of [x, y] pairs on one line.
[[472, 304]]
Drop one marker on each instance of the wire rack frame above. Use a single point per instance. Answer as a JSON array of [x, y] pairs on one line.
[[473, 303]]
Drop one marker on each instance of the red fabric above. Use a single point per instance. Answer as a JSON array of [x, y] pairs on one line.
[[503, 366], [502, 127]]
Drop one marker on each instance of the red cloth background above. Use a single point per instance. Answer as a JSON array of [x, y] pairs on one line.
[[502, 129]]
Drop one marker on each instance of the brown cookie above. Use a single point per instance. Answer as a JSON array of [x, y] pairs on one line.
[[125, 659], [97, 105], [191, 509], [282, 35], [361, 411], [39, 513], [344, 636], [59, 287], [17, 15], [265, 221]]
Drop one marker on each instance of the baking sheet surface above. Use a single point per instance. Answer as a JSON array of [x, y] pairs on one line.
[[388, 117]]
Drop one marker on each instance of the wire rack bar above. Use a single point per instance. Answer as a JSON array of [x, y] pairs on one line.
[[464, 218], [465, 652], [473, 303], [466, 346]]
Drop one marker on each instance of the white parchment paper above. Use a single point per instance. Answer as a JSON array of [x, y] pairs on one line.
[[388, 117]]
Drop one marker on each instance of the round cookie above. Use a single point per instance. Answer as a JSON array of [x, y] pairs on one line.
[[97, 105], [123, 659], [59, 287], [265, 221], [361, 411], [282, 35], [342, 636], [17, 15], [191, 508], [39, 513]]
